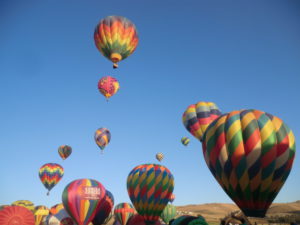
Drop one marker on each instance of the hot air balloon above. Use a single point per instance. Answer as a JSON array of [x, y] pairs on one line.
[[137, 219], [116, 38], [197, 117], [3, 206], [123, 212], [172, 198], [50, 174], [81, 198], [40, 213], [250, 153], [185, 141], [58, 216], [168, 214], [103, 213], [159, 156], [149, 188], [16, 215], [24, 203], [108, 86], [189, 220], [64, 151], [102, 138]]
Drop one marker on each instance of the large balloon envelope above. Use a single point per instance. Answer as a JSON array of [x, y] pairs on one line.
[[108, 86], [149, 188], [123, 212], [50, 174], [40, 213], [104, 211], [24, 203], [102, 138], [81, 199], [168, 214], [189, 220], [16, 215], [64, 151], [116, 38]]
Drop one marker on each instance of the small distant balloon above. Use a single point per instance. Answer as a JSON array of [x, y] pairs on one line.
[[159, 156], [64, 151], [185, 141], [102, 138], [108, 86]]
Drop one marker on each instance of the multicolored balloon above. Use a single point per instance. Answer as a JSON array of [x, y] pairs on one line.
[[24, 203], [116, 38], [168, 214], [137, 219], [64, 151], [108, 86], [185, 141], [50, 174], [123, 212], [18, 215], [59, 216], [172, 198], [103, 213], [81, 199], [149, 188], [197, 117], [40, 214], [159, 156], [189, 220], [102, 138]]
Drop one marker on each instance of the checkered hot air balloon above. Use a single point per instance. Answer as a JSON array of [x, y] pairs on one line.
[[64, 151], [123, 212], [102, 138], [108, 86], [50, 174], [149, 188], [116, 38]]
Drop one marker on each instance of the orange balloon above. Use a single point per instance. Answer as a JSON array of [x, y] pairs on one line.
[[16, 215]]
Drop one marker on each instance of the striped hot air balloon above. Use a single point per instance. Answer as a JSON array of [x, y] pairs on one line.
[[102, 138], [185, 141], [103, 213], [81, 199], [168, 214], [149, 188], [116, 38], [108, 86], [123, 212], [159, 156], [50, 174], [64, 151], [24, 203]]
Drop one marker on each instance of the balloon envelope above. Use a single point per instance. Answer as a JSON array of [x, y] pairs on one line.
[[40, 213], [108, 86], [123, 212], [104, 210], [64, 151], [169, 213], [137, 219], [18, 215], [189, 220], [185, 141], [102, 137], [58, 215], [50, 174], [159, 156], [24, 203]]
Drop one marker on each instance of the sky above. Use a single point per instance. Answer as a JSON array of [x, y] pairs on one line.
[[238, 54]]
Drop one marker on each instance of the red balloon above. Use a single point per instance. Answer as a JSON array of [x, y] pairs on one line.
[[16, 215], [137, 219]]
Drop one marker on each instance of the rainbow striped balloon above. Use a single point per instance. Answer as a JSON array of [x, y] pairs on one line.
[[116, 38], [149, 187], [123, 212], [197, 117], [50, 174], [102, 138], [108, 86], [81, 199], [250, 153]]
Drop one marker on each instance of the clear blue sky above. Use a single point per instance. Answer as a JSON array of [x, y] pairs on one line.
[[238, 54]]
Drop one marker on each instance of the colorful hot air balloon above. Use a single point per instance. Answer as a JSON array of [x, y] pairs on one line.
[[108, 86], [81, 199], [137, 219], [123, 212], [185, 141], [64, 151], [116, 38], [16, 215], [50, 174], [40, 213], [24, 203], [197, 117], [102, 138], [168, 214], [149, 188], [250, 153], [59, 216], [189, 220], [3, 206], [103, 213], [159, 156], [172, 198]]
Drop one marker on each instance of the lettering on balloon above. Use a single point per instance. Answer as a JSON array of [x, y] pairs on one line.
[[90, 193]]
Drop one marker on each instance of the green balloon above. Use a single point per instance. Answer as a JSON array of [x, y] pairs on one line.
[[168, 214]]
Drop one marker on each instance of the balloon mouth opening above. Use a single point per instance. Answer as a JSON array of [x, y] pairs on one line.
[[261, 213], [115, 57]]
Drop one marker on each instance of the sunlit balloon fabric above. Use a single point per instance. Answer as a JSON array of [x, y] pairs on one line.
[[168, 214], [81, 198], [64, 151], [58, 216], [149, 188], [50, 174], [116, 38], [159, 156], [123, 212], [102, 137], [40, 213], [198, 116], [108, 86], [104, 211], [250, 153], [16, 215], [185, 141], [24, 203]]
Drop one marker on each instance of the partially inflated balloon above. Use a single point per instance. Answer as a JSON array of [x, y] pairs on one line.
[[108, 86], [197, 117], [24, 203], [102, 138], [185, 141], [149, 187], [81, 199], [159, 156], [40, 213], [50, 174], [16, 215], [169, 213], [64, 151], [116, 38], [103, 213], [123, 212], [250, 153]]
